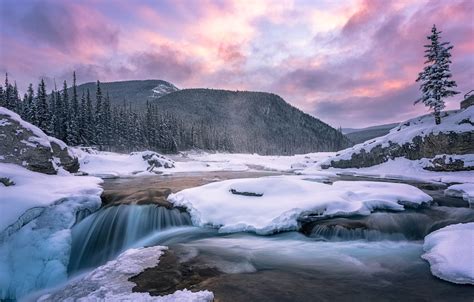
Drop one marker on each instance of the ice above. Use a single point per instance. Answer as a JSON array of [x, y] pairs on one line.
[[109, 282], [286, 198], [466, 191], [36, 255], [33, 190], [450, 252]]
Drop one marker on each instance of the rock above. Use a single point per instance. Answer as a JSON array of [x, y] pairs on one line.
[[27, 145], [416, 139], [156, 160], [420, 147]]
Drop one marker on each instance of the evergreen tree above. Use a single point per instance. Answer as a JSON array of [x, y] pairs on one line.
[[73, 121], [99, 121], [7, 93], [42, 110], [30, 110], [89, 132], [63, 112], [436, 76]]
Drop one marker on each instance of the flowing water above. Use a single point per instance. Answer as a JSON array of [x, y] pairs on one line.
[[104, 234], [360, 258]]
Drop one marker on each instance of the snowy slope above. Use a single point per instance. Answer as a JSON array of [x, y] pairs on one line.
[[278, 202], [109, 282], [450, 252], [452, 121]]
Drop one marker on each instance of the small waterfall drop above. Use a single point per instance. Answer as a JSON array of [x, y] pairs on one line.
[[102, 235], [405, 225]]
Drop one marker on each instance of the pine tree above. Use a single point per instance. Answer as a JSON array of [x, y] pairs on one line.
[[89, 121], [436, 76], [99, 121], [82, 119], [30, 110], [6, 93], [42, 110], [63, 112], [73, 121]]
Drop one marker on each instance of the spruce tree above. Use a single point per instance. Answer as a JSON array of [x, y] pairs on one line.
[[436, 76], [73, 121], [42, 110], [89, 132], [99, 121], [64, 114]]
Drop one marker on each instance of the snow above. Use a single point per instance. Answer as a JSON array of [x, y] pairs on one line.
[[254, 161], [39, 136], [466, 191], [402, 169], [109, 282], [37, 214], [450, 252], [452, 121], [285, 199], [33, 189], [111, 165]]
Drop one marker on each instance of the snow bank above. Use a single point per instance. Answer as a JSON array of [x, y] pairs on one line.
[[109, 282], [255, 161], [37, 190], [111, 165], [450, 252], [399, 168], [466, 191], [452, 121], [235, 205]]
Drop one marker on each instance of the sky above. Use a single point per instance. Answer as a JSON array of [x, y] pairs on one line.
[[349, 63]]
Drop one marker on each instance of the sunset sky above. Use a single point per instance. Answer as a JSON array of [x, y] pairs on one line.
[[349, 63]]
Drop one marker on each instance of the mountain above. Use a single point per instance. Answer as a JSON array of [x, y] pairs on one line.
[[358, 136], [253, 121], [135, 92]]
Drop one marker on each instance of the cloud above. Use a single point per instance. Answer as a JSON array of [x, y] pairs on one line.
[[320, 56]]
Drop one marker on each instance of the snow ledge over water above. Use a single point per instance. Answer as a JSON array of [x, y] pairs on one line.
[[450, 252]]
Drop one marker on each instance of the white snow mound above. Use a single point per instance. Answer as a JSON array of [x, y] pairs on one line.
[[450, 252], [236, 205], [109, 282]]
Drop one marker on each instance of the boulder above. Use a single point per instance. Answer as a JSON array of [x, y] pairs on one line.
[[24, 144]]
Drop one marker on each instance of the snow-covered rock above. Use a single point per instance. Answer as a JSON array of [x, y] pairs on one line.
[[109, 282], [465, 191], [24, 144], [415, 139], [450, 252], [110, 165], [37, 212], [33, 190], [271, 204]]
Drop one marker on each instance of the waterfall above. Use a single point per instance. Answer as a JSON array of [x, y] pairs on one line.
[[406, 225], [102, 235]]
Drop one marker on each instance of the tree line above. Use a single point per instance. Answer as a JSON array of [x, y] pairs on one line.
[[90, 120]]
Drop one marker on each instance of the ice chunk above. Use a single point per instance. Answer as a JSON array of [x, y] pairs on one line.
[[109, 282], [450, 252]]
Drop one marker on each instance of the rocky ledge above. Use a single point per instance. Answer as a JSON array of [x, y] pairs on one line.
[[27, 145], [417, 139]]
